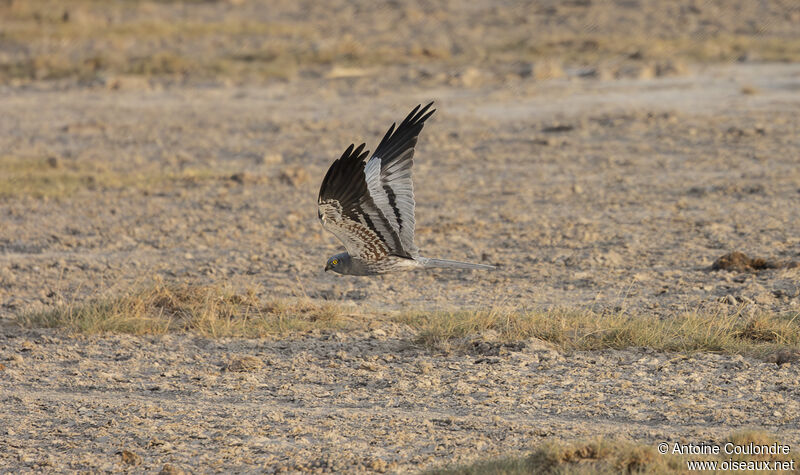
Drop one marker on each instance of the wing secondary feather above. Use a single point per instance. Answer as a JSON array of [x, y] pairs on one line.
[[370, 206]]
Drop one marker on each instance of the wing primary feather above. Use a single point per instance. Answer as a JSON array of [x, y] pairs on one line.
[[363, 226], [425, 117], [404, 136], [394, 191], [388, 133], [412, 113], [358, 150]]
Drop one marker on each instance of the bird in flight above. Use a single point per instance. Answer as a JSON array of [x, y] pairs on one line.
[[369, 205]]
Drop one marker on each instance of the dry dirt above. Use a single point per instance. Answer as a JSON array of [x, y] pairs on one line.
[[367, 401], [628, 202], [609, 190], [583, 192]]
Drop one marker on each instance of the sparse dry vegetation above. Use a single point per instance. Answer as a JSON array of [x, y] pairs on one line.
[[607, 456], [87, 40], [700, 330], [221, 311], [214, 311], [49, 177]]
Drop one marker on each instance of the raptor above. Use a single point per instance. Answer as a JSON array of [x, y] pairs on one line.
[[369, 205]]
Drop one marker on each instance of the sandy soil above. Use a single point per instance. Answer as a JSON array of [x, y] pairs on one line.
[[583, 192], [360, 402], [612, 185]]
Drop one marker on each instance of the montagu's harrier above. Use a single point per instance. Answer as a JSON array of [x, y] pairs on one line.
[[369, 205]]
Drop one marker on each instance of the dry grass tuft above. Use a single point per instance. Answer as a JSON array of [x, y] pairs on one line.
[[220, 311], [49, 177], [213, 311], [756, 335], [597, 456], [605, 456], [90, 39]]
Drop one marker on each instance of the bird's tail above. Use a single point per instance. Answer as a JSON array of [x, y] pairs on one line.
[[429, 263]]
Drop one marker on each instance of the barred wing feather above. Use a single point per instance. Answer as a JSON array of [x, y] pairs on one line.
[[370, 206], [388, 175], [347, 210]]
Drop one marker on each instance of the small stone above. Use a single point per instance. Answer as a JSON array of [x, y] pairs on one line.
[[26, 345], [470, 77], [370, 366], [784, 356], [295, 176], [128, 83], [741, 262], [240, 178], [749, 90], [635, 71], [272, 158], [130, 458], [243, 364], [378, 465], [558, 128], [542, 70], [169, 469], [671, 68], [424, 367]]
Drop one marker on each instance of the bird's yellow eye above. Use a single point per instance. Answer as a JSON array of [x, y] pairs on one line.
[[334, 262]]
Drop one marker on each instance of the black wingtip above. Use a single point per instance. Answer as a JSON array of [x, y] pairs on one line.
[[347, 152], [422, 115], [425, 117], [362, 155], [389, 132], [409, 117]]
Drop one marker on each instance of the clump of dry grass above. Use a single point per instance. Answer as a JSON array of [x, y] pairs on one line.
[[214, 311], [597, 456], [49, 177], [755, 335], [39, 177], [220, 311], [89, 39], [605, 456]]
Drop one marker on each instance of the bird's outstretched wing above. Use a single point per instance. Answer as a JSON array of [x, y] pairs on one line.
[[388, 175], [347, 210], [370, 207]]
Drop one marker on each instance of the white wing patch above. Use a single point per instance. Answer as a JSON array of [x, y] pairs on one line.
[[370, 206], [392, 191], [372, 172]]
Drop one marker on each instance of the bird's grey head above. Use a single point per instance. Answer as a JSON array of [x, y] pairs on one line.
[[340, 263]]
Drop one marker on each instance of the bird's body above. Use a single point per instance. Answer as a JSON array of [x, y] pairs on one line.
[[369, 206], [350, 265]]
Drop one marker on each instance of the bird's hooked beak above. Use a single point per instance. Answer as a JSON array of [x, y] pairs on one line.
[[327, 266]]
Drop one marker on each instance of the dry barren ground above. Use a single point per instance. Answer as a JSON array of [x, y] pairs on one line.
[[598, 194], [584, 193], [363, 401], [603, 163]]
